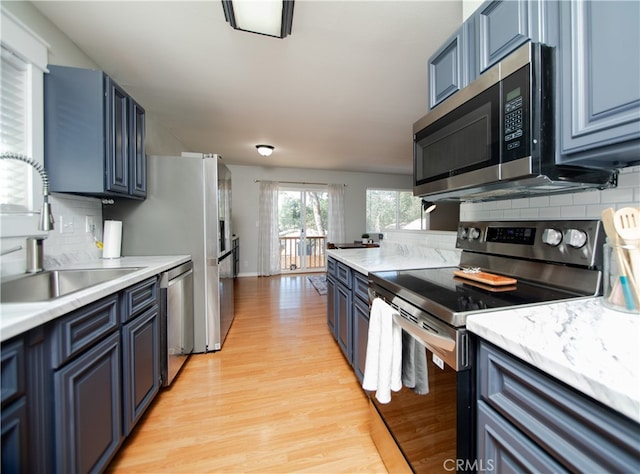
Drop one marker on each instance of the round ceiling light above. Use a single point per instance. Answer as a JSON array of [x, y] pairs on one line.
[[265, 150]]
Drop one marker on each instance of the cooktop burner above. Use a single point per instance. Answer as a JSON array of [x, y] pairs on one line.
[[449, 296]]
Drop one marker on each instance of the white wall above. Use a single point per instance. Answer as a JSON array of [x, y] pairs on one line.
[[245, 204], [468, 7]]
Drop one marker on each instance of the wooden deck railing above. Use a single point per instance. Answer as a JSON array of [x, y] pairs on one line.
[[293, 248]]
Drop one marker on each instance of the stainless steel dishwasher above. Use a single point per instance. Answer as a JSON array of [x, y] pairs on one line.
[[176, 305]]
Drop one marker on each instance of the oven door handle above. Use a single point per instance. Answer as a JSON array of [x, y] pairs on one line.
[[425, 336]]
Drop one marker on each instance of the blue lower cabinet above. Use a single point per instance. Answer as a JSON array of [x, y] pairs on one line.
[[14, 437], [88, 409], [360, 336], [344, 322], [140, 365], [530, 422]]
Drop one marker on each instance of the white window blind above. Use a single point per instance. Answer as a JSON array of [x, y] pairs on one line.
[[15, 177]]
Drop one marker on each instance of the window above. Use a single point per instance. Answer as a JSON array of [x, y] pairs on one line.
[[391, 210], [303, 217], [24, 60], [15, 177]]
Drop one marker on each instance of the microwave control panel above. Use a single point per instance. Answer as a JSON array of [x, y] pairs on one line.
[[515, 110]]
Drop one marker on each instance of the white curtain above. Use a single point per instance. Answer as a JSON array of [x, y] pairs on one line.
[[336, 232], [268, 239]]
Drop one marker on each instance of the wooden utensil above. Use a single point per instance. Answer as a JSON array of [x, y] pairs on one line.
[[627, 223], [626, 279]]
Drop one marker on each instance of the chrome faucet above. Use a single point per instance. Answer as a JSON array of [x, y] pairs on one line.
[[46, 217]]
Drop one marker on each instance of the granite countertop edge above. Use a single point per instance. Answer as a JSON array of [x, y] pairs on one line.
[[18, 318], [581, 343], [368, 260]]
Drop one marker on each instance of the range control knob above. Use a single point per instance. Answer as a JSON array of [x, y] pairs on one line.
[[474, 233], [552, 237], [575, 238], [463, 232]]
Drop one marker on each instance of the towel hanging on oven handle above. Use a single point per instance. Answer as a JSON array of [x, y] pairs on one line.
[[432, 340]]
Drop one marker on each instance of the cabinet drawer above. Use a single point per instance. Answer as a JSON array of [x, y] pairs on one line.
[[580, 433], [361, 286], [13, 381], [502, 448], [331, 267], [83, 328], [343, 274], [139, 297]]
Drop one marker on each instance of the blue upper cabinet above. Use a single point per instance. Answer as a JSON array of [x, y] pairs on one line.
[[599, 83], [94, 135], [597, 69], [502, 26], [451, 66]]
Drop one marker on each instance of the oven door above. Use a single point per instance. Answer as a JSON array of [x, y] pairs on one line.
[[430, 432]]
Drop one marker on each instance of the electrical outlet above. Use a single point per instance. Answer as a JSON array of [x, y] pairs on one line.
[[90, 224], [66, 224]]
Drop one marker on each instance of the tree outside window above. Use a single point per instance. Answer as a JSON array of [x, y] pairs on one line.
[[392, 210]]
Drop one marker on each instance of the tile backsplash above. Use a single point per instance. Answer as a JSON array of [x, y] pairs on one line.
[[581, 205], [69, 242]]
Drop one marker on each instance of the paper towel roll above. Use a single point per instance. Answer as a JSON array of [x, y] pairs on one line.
[[112, 239]]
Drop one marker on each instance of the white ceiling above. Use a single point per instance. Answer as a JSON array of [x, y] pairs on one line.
[[341, 92]]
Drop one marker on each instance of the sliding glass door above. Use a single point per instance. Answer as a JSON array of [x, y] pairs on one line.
[[302, 217]]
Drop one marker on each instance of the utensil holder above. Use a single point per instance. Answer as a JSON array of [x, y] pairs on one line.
[[620, 286]]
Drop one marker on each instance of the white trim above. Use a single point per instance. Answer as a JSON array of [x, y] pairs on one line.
[[24, 41]]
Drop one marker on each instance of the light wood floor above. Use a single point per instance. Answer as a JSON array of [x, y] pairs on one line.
[[278, 397]]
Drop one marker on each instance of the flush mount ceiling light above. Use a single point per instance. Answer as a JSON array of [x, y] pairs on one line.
[[264, 17], [265, 150]]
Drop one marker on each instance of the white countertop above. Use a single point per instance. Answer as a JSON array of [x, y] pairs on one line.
[[16, 318], [583, 343], [378, 260]]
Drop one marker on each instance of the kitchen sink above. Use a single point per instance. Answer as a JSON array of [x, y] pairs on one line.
[[52, 284]]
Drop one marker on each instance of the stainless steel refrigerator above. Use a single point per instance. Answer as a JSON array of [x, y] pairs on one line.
[[187, 211]]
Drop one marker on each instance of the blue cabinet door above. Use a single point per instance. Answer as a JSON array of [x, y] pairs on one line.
[[344, 322], [88, 409], [15, 451], [137, 152], [452, 66], [599, 83], [140, 365], [502, 26], [331, 305], [360, 336], [117, 155]]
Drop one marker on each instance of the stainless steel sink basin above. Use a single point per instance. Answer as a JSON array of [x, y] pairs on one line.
[[55, 283]]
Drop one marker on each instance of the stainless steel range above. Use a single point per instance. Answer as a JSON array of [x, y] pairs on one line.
[[503, 265]]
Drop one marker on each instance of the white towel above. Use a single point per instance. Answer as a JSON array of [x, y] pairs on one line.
[[383, 363], [414, 364]]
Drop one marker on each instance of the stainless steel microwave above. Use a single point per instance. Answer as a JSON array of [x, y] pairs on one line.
[[496, 137]]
